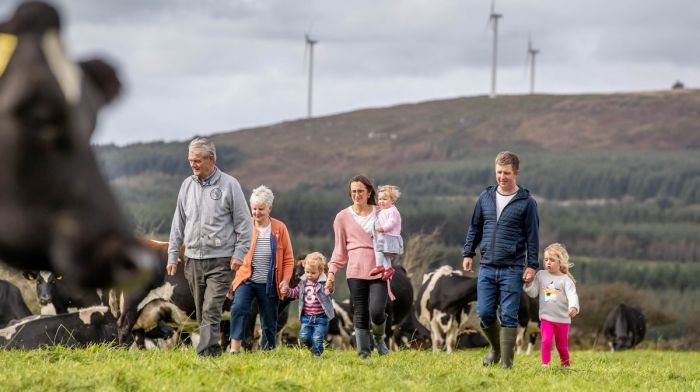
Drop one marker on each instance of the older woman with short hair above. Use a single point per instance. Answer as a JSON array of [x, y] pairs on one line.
[[265, 273]]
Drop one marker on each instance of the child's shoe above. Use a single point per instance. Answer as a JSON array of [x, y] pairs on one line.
[[376, 270], [388, 273]]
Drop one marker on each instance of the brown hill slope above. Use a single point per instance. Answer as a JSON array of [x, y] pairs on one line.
[[285, 154]]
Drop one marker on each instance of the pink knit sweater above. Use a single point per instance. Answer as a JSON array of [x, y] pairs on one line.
[[353, 247]]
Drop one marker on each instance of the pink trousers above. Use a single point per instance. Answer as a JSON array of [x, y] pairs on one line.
[[558, 332]]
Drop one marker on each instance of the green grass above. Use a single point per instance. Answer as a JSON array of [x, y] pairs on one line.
[[107, 369]]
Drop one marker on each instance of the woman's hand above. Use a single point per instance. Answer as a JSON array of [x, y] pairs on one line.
[[379, 229], [330, 282], [284, 287]]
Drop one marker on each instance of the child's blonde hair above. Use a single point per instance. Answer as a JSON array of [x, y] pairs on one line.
[[316, 259], [558, 251], [391, 190]]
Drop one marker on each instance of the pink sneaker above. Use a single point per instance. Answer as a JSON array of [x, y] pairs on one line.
[[376, 270], [388, 274]]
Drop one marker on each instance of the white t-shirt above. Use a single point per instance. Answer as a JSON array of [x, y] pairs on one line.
[[502, 201], [366, 222]]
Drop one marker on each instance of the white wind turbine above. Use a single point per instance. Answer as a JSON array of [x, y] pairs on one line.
[[309, 45], [531, 53], [493, 19]]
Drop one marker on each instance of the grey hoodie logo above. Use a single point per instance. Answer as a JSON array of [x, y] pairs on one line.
[[215, 193]]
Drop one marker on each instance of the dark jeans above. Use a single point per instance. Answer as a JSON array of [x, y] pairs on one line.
[[209, 281], [499, 287], [240, 311], [313, 331], [369, 301]]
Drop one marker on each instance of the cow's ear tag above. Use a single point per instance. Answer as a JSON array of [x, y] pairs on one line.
[[8, 44], [59, 277]]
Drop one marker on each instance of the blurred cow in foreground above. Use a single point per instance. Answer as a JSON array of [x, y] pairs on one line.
[[56, 211]]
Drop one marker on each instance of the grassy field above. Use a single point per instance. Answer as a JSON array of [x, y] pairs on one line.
[[106, 369]]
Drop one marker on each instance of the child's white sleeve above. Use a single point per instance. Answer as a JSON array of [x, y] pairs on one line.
[[571, 295], [532, 291]]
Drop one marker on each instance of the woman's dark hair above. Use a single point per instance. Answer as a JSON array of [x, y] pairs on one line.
[[372, 199]]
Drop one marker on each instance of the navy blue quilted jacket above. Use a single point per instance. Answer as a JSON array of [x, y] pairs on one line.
[[506, 241]]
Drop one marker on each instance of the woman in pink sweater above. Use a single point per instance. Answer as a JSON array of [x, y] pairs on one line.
[[354, 248]]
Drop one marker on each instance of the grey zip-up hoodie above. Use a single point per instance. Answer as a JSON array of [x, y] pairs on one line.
[[213, 219]]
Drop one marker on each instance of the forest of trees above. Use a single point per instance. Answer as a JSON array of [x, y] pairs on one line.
[[630, 205]]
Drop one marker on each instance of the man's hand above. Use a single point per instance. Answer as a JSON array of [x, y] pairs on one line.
[[573, 312], [467, 264], [235, 264], [529, 275], [171, 268]]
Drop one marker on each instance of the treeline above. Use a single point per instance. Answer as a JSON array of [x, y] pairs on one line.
[[570, 175], [624, 205]]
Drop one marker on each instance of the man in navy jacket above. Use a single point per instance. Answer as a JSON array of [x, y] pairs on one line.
[[505, 224]]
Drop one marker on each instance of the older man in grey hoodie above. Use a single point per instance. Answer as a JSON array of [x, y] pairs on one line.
[[214, 221]]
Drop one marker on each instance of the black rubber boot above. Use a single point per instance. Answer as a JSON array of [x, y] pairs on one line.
[[508, 336], [378, 331], [363, 340], [492, 335]]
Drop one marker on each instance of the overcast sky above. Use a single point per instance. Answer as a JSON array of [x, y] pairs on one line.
[[207, 66]]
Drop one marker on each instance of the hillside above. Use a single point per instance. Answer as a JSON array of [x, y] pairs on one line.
[[282, 155]]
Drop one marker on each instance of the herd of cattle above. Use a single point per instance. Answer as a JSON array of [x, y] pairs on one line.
[[440, 317], [57, 213]]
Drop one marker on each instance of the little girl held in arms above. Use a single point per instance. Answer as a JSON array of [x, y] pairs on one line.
[[387, 239]]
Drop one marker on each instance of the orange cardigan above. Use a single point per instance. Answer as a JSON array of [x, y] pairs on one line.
[[284, 257]]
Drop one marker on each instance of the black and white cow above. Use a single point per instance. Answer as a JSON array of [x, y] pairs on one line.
[[12, 306], [624, 327], [56, 210], [340, 328], [398, 309], [528, 322], [168, 301], [410, 334], [55, 297], [443, 305], [88, 326]]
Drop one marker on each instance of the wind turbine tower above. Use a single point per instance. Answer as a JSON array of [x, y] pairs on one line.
[[493, 19], [310, 46], [531, 53]]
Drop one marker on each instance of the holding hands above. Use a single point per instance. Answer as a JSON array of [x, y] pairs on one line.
[[235, 264], [284, 287], [330, 284]]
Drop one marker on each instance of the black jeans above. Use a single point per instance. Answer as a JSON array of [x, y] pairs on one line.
[[369, 301]]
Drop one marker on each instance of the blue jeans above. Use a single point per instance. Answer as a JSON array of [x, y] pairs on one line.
[[313, 331], [499, 287], [240, 311]]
